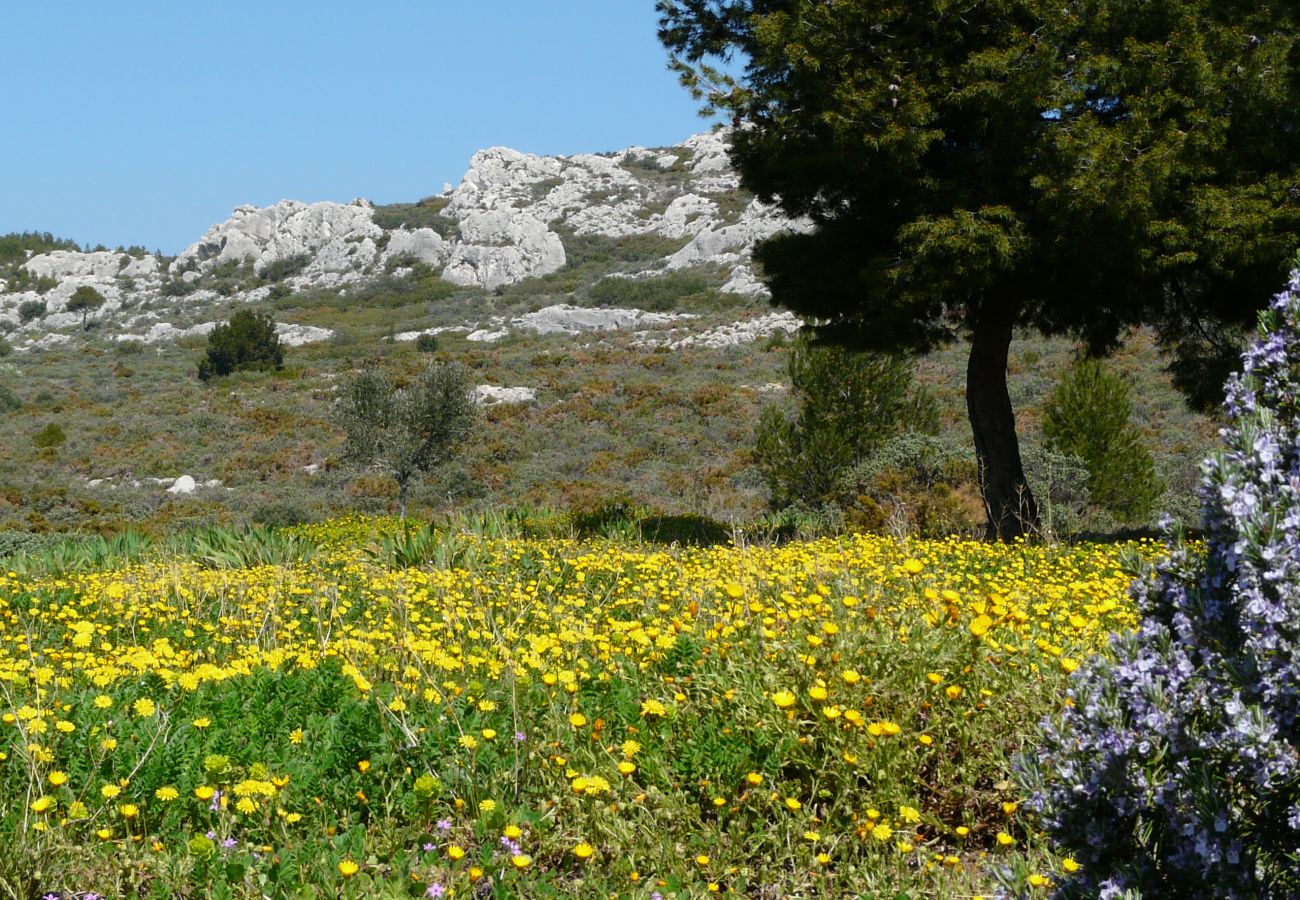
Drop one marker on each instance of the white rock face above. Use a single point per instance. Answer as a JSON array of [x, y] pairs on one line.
[[732, 335], [734, 243], [502, 246], [290, 335], [504, 224], [489, 395], [338, 237], [566, 319], [183, 485]]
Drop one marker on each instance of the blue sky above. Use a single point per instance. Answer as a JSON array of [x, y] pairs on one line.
[[145, 122]]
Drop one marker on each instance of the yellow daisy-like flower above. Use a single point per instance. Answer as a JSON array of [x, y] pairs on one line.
[[348, 868], [58, 778], [109, 791], [626, 767], [456, 852], [754, 778], [144, 707], [1070, 864], [1005, 840], [512, 831], [296, 736], [577, 720], [783, 699], [103, 701], [167, 794], [129, 810], [43, 804], [584, 851], [521, 860], [201, 722]]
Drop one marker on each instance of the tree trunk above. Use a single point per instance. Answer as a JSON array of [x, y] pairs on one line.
[[402, 485], [1008, 502]]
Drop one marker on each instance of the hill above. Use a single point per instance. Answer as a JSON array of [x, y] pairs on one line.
[[606, 303]]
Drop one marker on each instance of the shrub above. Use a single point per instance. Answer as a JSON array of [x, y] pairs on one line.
[[9, 401], [913, 484], [658, 294], [689, 530], [427, 343], [31, 309], [178, 287], [1087, 415], [848, 404], [5, 348], [247, 342], [84, 300], [50, 436], [411, 430], [285, 267], [1174, 771]]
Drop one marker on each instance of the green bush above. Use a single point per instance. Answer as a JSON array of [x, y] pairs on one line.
[[427, 343], [286, 267], [50, 436], [247, 342], [427, 213], [847, 405], [5, 348], [658, 294], [9, 401], [178, 287], [913, 484], [31, 309], [689, 530], [1087, 415], [85, 300]]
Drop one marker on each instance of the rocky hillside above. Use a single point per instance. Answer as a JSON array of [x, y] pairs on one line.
[[513, 217]]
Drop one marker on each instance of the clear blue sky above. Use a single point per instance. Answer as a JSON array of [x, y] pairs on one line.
[[145, 122]]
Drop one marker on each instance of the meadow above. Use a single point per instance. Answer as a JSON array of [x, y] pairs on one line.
[[362, 709]]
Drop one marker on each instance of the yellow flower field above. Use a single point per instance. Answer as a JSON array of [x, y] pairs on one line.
[[543, 717]]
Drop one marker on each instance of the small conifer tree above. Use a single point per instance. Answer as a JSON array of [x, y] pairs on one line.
[[1088, 415], [247, 341]]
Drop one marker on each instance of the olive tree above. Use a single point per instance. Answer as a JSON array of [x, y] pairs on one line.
[[407, 430]]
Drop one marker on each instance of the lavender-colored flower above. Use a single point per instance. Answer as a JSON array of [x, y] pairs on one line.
[[444, 825], [229, 843], [1175, 770], [428, 846], [435, 890], [216, 801], [51, 897], [520, 737]]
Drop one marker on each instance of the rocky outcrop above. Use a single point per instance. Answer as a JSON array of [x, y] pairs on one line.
[[566, 319], [490, 395], [506, 221]]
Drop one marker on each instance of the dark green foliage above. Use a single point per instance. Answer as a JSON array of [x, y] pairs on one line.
[[49, 437], [1075, 168], [9, 401], [427, 213], [247, 342], [1088, 416], [178, 287], [285, 267], [847, 405], [640, 249], [5, 348], [427, 343], [16, 247], [31, 309], [84, 300], [407, 430], [658, 294], [688, 530]]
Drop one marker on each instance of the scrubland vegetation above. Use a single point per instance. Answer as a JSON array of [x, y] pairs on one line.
[[370, 710]]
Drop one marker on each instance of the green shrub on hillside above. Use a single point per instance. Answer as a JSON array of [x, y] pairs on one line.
[[247, 342], [1087, 415], [31, 309], [658, 294], [9, 401], [52, 435], [286, 267], [847, 405]]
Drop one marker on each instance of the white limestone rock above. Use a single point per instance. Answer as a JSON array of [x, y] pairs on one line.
[[290, 335], [734, 243], [490, 395], [337, 236], [424, 244], [502, 247], [183, 485], [745, 282]]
